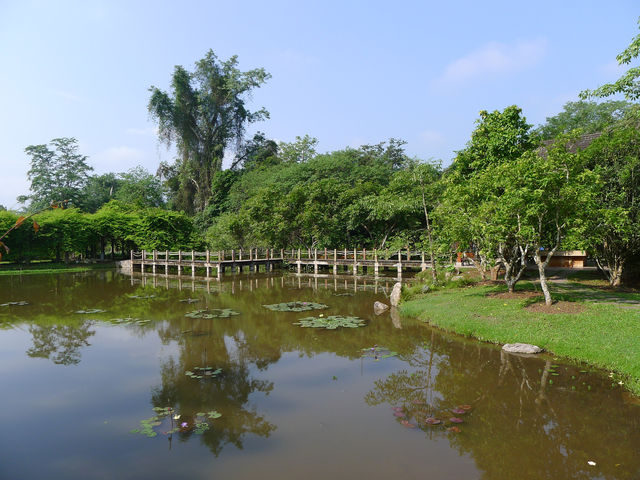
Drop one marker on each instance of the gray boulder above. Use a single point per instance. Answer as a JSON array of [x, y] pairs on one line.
[[394, 299], [521, 348], [379, 308]]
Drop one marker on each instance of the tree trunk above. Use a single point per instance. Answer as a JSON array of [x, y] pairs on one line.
[[543, 282]]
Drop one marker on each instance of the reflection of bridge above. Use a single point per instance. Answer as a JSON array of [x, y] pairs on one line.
[[355, 261], [250, 283]]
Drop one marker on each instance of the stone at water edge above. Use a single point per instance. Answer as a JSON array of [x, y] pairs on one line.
[[521, 348], [379, 308], [394, 299]]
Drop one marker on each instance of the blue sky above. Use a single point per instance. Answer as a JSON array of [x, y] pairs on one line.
[[345, 72]]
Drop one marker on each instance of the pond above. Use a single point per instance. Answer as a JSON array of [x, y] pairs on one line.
[[104, 375]]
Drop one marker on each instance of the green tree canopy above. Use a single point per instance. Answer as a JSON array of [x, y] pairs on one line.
[[590, 117], [56, 174], [498, 137]]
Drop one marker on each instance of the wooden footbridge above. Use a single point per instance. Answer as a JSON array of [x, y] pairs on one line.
[[255, 259]]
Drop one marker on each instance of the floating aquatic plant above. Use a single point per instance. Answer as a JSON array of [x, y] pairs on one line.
[[20, 303], [458, 411], [93, 310], [433, 421], [190, 300], [346, 294], [141, 297], [331, 322], [163, 414], [456, 420], [203, 372], [295, 306], [453, 429], [130, 321], [378, 352], [407, 424], [212, 313]]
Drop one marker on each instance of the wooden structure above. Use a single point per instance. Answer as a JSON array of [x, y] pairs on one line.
[[318, 260], [566, 259]]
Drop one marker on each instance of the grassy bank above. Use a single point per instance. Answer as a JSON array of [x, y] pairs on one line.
[[601, 334], [49, 267]]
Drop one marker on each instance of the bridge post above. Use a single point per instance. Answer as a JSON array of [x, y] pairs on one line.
[[335, 261], [233, 260], [423, 265], [375, 262], [298, 263], [179, 262], [315, 261], [208, 266], [355, 261], [166, 262], [399, 264], [193, 264], [153, 265]]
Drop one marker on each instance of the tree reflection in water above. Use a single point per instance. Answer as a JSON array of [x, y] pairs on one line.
[[60, 343], [529, 418], [228, 393]]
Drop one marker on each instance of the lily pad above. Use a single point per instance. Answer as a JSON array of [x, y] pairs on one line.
[[458, 411], [93, 310], [378, 352], [407, 424], [167, 414], [346, 294], [331, 322], [456, 420], [141, 297], [433, 421], [203, 372], [453, 429], [295, 306], [130, 321], [20, 303], [465, 407], [190, 300], [212, 313]]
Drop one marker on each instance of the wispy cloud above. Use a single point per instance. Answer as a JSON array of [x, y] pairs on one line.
[[67, 95], [492, 60], [148, 131]]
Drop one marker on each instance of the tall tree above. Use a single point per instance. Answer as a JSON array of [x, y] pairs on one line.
[[629, 83], [203, 115], [56, 174]]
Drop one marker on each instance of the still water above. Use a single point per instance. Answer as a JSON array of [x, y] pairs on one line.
[[293, 402]]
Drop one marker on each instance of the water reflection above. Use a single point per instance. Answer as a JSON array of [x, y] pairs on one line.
[[305, 397], [60, 343], [529, 417]]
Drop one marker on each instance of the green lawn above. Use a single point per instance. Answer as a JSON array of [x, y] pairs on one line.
[[49, 267], [603, 334]]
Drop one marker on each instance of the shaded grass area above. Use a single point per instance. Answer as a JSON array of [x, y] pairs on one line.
[[50, 267], [604, 335]]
